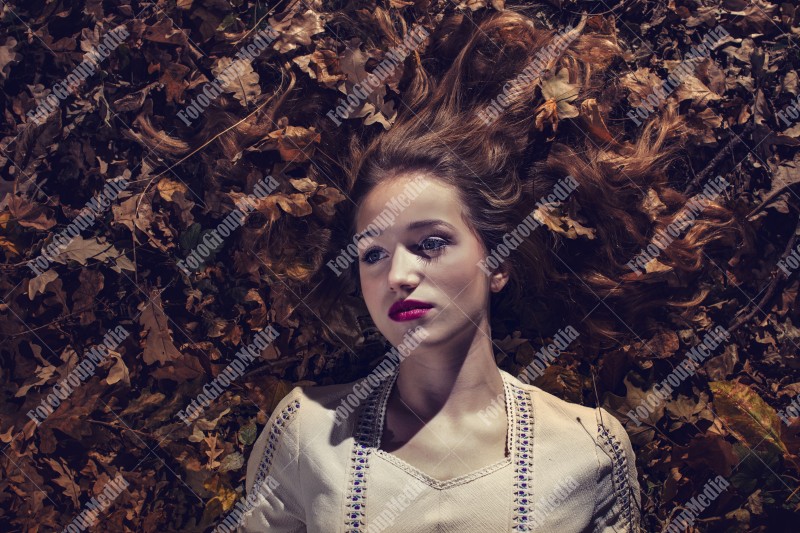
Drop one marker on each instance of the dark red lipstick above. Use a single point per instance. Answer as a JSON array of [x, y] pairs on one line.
[[403, 310]]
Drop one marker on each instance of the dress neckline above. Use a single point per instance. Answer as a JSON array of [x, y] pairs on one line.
[[520, 409], [377, 432]]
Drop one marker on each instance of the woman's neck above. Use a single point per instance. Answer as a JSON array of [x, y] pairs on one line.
[[442, 381]]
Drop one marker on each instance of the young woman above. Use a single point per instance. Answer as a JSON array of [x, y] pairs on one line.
[[412, 448], [465, 199]]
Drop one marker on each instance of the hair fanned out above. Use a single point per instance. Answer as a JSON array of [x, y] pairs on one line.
[[504, 111], [506, 164]]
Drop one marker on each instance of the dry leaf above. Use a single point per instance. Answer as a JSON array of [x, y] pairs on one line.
[[550, 216], [296, 30], [746, 415], [558, 89], [82, 250], [38, 284], [158, 344], [240, 79], [167, 187]]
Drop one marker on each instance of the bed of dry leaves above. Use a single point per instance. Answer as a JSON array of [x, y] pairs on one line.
[[185, 329]]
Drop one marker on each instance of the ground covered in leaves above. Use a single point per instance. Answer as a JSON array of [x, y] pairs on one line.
[[179, 331]]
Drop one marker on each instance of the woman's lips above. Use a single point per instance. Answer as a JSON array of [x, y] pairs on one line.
[[410, 314], [408, 309]]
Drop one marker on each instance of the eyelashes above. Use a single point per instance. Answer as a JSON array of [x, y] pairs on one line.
[[438, 251], [442, 241]]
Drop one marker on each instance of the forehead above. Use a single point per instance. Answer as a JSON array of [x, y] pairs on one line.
[[425, 197]]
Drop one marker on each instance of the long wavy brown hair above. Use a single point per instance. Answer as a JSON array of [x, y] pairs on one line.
[[501, 169]]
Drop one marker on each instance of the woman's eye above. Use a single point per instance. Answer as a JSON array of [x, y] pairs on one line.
[[369, 257], [429, 244], [438, 243]]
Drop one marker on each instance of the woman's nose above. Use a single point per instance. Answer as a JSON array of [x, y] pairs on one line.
[[404, 270]]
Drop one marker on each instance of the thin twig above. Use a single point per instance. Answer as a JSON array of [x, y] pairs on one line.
[[209, 141], [100, 422], [771, 196], [773, 284], [717, 158], [272, 365]]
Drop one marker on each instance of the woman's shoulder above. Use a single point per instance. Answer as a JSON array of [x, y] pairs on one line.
[[306, 410], [567, 417], [318, 404], [595, 444]]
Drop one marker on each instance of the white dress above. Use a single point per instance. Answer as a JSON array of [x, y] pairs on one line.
[[571, 468]]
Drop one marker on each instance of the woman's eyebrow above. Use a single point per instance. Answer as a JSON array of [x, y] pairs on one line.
[[414, 225]]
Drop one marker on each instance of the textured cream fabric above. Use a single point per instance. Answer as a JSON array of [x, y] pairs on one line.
[[567, 471]]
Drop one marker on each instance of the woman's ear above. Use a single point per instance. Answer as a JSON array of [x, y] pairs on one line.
[[499, 278]]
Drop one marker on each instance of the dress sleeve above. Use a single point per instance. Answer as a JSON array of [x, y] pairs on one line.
[[274, 495], [618, 499]]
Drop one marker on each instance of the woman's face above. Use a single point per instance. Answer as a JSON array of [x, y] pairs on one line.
[[428, 254]]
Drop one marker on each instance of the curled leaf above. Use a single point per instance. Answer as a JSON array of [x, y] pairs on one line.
[[746, 415]]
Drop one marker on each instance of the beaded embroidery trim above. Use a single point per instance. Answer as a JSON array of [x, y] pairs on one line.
[[363, 443], [523, 456], [619, 472], [455, 481], [519, 407], [286, 414]]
